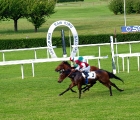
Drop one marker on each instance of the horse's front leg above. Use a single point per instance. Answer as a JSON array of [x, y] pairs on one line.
[[80, 89], [73, 91], [69, 88]]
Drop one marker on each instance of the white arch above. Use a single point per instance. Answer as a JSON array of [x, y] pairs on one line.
[[74, 33]]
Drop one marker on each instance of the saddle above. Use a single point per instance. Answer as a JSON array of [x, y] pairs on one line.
[[91, 75]]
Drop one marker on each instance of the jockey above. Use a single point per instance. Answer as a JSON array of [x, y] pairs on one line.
[[80, 58], [83, 67]]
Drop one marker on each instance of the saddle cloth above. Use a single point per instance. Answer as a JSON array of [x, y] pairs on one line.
[[91, 75]]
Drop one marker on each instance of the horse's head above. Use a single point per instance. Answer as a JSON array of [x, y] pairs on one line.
[[63, 74], [63, 66]]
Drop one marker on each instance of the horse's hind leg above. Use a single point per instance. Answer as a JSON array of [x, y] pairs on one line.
[[84, 87], [109, 86], [88, 87], [110, 90], [116, 87]]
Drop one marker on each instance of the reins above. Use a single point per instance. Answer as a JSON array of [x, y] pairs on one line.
[[68, 68], [63, 70], [69, 73]]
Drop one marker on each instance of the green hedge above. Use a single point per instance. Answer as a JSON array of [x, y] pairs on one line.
[[56, 41]]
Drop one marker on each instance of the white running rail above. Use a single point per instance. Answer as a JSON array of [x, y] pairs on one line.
[[126, 55], [35, 55], [33, 61]]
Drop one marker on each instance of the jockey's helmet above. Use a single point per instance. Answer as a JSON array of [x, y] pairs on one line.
[[80, 58]]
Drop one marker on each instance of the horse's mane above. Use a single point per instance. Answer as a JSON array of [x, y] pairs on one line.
[[66, 62]]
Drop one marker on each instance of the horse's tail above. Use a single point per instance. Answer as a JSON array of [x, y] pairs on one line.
[[111, 75]]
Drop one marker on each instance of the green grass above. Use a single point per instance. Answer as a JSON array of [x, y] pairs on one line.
[[89, 17], [37, 98]]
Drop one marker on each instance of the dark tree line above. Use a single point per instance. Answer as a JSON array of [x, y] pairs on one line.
[[35, 11]]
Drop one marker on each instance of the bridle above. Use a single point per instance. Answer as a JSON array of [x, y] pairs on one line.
[[66, 71]]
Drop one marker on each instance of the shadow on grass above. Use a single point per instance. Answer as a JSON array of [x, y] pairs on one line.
[[16, 32], [23, 31], [57, 29]]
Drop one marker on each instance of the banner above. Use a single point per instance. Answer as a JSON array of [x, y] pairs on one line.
[[126, 29]]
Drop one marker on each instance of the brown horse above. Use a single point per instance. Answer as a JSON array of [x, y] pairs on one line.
[[65, 66], [77, 79]]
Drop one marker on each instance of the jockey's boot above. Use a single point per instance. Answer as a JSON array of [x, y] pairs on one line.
[[86, 77]]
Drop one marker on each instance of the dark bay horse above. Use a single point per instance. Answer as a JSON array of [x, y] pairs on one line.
[[65, 66], [78, 80]]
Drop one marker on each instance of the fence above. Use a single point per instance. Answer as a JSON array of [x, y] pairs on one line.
[[36, 60], [34, 49], [48, 59], [116, 55], [99, 57], [125, 55], [22, 62]]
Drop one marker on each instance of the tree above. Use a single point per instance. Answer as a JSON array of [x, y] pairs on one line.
[[38, 10], [12, 9], [136, 6], [129, 7], [3, 6], [116, 6]]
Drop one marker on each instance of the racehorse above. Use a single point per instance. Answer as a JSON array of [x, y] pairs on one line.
[[77, 79], [65, 66]]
